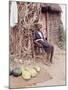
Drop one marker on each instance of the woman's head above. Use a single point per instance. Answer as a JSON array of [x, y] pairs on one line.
[[37, 26]]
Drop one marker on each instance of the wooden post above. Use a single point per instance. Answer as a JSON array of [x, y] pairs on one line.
[[14, 39], [47, 25], [32, 46], [20, 36]]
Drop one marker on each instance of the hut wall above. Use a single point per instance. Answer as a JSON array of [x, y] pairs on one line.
[[20, 41], [43, 22], [53, 26]]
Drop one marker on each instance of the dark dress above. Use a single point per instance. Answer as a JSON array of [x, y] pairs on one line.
[[46, 46]]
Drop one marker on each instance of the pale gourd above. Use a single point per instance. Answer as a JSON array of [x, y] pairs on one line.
[[33, 72], [26, 75], [37, 68]]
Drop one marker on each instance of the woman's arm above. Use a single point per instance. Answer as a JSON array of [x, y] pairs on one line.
[[37, 43]]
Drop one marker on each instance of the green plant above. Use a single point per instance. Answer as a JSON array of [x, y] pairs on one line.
[[61, 37]]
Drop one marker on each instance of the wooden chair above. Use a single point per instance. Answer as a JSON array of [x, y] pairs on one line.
[[38, 47]]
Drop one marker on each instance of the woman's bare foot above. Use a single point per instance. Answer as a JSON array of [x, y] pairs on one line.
[[47, 63]]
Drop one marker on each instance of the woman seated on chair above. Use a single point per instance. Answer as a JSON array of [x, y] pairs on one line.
[[40, 41]]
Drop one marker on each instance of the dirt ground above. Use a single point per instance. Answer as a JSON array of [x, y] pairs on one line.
[[56, 69]]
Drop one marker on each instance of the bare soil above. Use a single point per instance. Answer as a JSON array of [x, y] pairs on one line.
[[56, 70]]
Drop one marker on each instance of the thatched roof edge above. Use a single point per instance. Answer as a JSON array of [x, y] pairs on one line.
[[51, 7]]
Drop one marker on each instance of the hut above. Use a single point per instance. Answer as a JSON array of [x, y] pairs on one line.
[[51, 14], [28, 13]]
